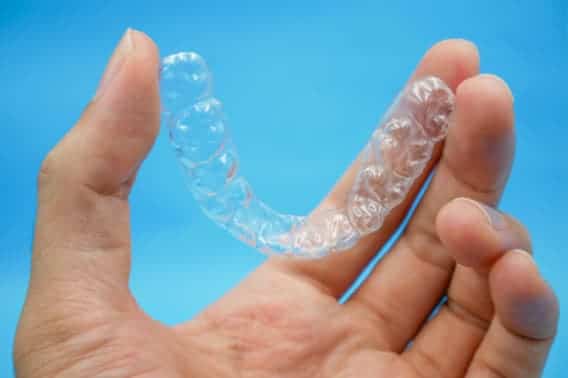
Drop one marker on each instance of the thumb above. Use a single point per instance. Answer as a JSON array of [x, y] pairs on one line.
[[82, 233]]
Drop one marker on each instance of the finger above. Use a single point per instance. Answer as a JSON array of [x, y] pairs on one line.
[[452, 61], [525, 324], [475, 235], [475, 162], [82, 231]]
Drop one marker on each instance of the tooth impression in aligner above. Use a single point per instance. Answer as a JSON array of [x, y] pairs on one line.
[[394, 157]]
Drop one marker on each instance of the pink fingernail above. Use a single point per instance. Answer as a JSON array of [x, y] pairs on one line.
[[497, 221], [525, 254], [494, 217]]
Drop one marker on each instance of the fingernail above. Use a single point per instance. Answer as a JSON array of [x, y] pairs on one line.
[[503, 82], [494, 217], [124, 47], [525, 254], [498, 223]]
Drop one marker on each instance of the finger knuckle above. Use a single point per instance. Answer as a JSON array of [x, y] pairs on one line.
[[47, 169]]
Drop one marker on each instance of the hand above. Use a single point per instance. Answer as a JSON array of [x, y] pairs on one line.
[[499, 320]]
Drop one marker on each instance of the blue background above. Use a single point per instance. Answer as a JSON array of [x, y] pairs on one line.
[[311, 77]]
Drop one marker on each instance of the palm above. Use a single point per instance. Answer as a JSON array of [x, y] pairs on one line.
[[281, 326], [278, 325], [274, 324]]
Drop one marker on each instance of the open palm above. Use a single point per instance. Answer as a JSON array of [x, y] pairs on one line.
[[284, 320]]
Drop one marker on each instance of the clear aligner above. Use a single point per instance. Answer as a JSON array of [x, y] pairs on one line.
[[396, 154]]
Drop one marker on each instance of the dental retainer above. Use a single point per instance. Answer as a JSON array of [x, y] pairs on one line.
[[395, 156]]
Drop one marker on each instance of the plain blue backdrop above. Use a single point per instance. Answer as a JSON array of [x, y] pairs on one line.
[[311, 77]]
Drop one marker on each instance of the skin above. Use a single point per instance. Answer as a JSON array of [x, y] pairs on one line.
[[500, 318]]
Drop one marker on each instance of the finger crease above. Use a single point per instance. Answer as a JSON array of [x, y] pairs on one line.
[[466, 316], [484, 368], [484, 192], [421, 240]]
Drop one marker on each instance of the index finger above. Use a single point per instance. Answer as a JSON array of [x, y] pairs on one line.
[[452, 61]]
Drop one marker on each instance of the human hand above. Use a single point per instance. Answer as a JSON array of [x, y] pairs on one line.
[[284, 320]]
